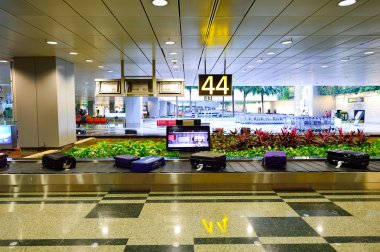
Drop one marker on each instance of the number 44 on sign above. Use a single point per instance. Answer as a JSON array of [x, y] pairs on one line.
[[221, 225]]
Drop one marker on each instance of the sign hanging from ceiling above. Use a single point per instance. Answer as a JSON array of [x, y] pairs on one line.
[[215, 84]]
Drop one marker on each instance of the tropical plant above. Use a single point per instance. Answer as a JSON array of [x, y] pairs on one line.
[[246, 90]]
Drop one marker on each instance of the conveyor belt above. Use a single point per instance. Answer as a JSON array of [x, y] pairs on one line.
[[101, 175]]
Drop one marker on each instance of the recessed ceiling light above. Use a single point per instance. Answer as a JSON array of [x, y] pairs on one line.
[[173, 53], [259, 60], [345, 59], [287, 42], [3, 61], [89, 60], [346, 2], [73, 53], [271, 53], [159, 2], [51, 42], [170, 42], [250, 66], [368, 53], [110, 71], [174, 61], [325, 66], [175, 66], [101, 66]]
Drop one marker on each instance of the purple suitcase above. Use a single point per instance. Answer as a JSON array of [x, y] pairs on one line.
[[274, 160], [147, 164], [124, 161]]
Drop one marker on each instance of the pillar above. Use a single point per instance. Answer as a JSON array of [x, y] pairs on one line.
[[90, 108], [133, 112], [44, 101], [112, 104], [171, 109], [163, 108], [153, 107]]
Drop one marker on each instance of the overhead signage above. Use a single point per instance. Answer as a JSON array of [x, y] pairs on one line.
[[355, 99], [215, 84]]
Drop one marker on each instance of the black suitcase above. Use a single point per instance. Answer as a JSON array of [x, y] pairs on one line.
[[124, 161], [351, 159], [81, 131], [58, 161], [130, 132], [208, 160], [147, 164], [3, 160]]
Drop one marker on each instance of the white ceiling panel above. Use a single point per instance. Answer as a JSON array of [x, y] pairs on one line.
[[332, 9], [165, 26], [253, 25], [122, 8], [94, 8], [369, 27], [77, 25], [55, 8], [264, 41], [251, 52], [223, 26], [268, 7], [192, 42], [195, 8], [106, 25], [340, 25], [282, 25], [194, 26], [311, 25], [233, 8], [302, 8], [240, 41], [135, 26]]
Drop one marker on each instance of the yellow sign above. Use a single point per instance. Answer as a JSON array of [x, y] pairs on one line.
[[215, 84]]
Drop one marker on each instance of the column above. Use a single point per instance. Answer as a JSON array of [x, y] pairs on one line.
[[133, 112], [171, 109], [90, 108], [44, 101], [163, 108], [153, 107], [112, 104]]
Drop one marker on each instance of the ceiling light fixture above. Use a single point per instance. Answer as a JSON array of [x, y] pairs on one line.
[[260, 60], [174, 61], [344, 3], [89, 60], [287, 42], [3, 61], [271, 53], [160, 2], [325, 66], [101, 66], [170, 42], [173, 53], [51, 42], [250, 66], [368, 53], [73, 53], [109, 71], [345, 59], [175, 66]]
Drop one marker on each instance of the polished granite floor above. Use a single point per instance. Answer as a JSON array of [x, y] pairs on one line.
[[309, 221]]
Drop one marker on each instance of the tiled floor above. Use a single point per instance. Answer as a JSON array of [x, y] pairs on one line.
[[191, 221]]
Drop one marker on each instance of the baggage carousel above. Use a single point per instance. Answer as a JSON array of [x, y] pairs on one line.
[[27, 175]]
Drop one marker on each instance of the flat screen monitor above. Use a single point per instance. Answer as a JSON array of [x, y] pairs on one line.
[[8, 137], [188, 138]]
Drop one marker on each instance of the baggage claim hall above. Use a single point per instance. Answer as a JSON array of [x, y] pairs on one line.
[[190, 125]]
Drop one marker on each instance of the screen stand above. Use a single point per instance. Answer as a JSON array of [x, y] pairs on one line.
[[185, 155]]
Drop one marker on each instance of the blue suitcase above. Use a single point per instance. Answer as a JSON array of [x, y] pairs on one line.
[[274, 160], [124, 161], [147, 164]]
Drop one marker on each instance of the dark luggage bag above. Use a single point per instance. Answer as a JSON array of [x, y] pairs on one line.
[[351, 159], [209, 160], [124, 161], [58, 161], [81, 131], [131, 132], [3, 160], [274, 160], [147, 164]]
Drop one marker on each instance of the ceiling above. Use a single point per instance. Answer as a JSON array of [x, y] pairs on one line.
[[218, 34]]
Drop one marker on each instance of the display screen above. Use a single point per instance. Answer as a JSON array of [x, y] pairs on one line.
[[188, 138], [109, 87], [5, 135]]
